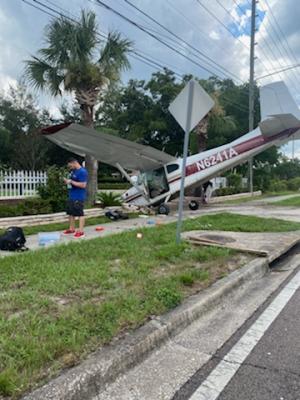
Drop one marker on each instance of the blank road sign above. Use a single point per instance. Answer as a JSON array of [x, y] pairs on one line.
[[202, 103]]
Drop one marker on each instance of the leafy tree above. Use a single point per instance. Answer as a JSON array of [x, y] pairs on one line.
[[75, 61], [21, 145], [5, 146], [287, 169], [139, 111]]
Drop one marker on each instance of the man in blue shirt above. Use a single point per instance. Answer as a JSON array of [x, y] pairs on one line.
[[77, 194]]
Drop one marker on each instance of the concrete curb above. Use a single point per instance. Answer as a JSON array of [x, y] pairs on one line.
[[86, 380], [41, 219]]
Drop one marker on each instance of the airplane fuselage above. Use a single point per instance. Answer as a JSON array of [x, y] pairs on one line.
[[204, 166]]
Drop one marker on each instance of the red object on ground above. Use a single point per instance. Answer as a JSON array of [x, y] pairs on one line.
[[79, 235], [68, 231], [99, 228]]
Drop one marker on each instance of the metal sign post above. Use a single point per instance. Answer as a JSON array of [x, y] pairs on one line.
[[185, 153], [189, 107]]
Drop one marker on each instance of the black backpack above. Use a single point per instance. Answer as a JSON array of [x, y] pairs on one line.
[[115, 215], [13, 239]]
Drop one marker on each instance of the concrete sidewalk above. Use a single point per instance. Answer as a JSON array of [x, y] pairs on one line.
[[284, 213], [32, 241]]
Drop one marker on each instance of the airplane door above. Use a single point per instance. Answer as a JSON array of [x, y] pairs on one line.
[[157, 182]]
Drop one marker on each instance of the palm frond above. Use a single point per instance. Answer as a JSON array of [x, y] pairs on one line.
[[40, 74], [35, 72], [60, 37], [114, 55]]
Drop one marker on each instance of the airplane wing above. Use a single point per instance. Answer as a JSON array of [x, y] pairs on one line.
[[106, 148]]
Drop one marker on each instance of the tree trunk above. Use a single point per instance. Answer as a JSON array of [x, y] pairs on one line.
[[201, 131], [91, 163]]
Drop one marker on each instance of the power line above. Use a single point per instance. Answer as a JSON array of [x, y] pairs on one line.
[[229, 13], [38, 8], [195, 27], [147, 61], [277, 45], [277, 72], [280, 30], [238, 22], [239, 6], [238, 106], [142, 57], [171, 47], [269, 59], [179, 38], [226, 27], [220, 22]]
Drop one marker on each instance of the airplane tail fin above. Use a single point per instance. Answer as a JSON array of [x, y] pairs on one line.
[[276, 99], [279, 111]]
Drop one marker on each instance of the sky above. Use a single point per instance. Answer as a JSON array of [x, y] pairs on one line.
[[219, 29]]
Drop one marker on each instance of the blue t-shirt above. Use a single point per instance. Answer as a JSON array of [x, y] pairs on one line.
[[78, 175]]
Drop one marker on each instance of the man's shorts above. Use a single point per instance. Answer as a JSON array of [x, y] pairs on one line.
[[75, 208]]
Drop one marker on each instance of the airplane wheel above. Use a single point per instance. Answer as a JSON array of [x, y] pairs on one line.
[[193, 205], [163, 209]]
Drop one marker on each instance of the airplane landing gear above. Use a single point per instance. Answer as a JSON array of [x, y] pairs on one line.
[[193, 205], [163, 209]]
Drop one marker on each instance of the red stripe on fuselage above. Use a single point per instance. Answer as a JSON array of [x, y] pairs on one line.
[[224, 155]]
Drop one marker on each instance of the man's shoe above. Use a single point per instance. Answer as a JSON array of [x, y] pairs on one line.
[[79, 235], [69, 231]]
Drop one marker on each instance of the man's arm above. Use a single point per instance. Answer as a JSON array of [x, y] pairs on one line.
[[81, 181], [81, 185]]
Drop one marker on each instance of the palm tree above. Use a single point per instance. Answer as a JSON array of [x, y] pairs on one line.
[[75, 61], [216, 119]]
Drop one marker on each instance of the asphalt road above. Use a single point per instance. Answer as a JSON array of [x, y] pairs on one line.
[[270, 370]]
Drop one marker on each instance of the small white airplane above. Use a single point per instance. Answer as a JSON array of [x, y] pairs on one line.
[[158, 176]]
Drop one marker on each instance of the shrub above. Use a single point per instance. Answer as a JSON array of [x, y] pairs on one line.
[[228, 191], [293, 184], [35, 206], [7, 211], [114, 185], [31, 206], [277, 186], [109, 199], [234, 181], [55, 192]]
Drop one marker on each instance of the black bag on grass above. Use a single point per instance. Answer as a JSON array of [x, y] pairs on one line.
[[13, 239], [115, 215]]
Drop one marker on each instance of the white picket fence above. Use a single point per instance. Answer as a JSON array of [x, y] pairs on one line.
[[20, 184]]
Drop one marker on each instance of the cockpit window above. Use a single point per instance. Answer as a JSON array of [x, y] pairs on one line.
[[172, 168], [155, 182]]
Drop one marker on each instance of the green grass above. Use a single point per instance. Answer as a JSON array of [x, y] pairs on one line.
[[242, 200], [262, 197], [291, 202], [59, 304], [240, 223]]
